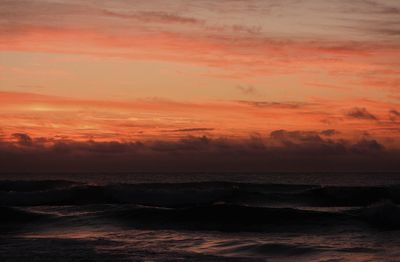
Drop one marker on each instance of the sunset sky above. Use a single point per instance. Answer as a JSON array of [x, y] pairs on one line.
[[258, 77]]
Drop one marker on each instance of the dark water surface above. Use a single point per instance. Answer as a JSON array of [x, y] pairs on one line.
[[200, 217]]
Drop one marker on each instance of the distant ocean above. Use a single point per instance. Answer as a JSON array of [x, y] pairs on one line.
[[200, 217]]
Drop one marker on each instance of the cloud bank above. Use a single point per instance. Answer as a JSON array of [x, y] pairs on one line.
[[281, 150]]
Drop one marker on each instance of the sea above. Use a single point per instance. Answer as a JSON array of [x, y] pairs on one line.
[[197, 216]]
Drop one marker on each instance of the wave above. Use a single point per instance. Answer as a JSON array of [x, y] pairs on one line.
[[15, 215], [384, 215], [223, 217], [265, 249], [219, 217], [33, 185], [350, 196], [165, 194], [234, 248], [13, 218], [34, 193], [226, 217]]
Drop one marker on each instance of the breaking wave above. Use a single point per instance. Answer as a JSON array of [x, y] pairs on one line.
[[222, 206], [32, 193]]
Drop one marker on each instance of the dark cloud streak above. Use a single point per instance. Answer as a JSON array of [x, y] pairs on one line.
[[361, 113], [198, 129]]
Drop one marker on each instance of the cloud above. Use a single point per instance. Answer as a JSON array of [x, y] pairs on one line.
[[155, 17], [367, 146], [266, 104], [381, 7], [198, 129], [360, 113], [394, 115], [243, 51], [190, 143], [44, 116], [247, 90], [23, 139], [295, 135], [282, 150], [329, 132]]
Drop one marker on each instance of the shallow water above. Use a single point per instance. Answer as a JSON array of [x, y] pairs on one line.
[[204, 217]]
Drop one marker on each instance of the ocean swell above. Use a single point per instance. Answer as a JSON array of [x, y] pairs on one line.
[[24, 193]]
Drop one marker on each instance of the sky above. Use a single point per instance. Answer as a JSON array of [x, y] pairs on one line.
[[203, 84]]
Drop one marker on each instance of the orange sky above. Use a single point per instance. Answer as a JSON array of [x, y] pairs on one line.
[[165, 70]]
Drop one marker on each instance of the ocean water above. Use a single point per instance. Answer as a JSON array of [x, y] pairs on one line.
[[200, 217]]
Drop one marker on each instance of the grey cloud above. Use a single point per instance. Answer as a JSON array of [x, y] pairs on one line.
[[361, 113]]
